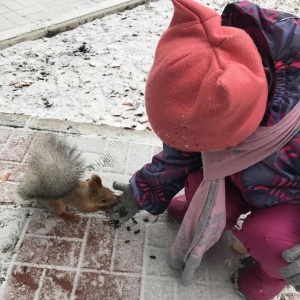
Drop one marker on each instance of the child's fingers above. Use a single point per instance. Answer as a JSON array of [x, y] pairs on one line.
[[292, 254], [291, 272], [120, 186], [294, 280]]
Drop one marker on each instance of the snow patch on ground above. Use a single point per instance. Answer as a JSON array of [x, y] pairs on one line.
[[95, 73]]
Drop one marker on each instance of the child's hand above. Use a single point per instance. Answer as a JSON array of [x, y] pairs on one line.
[[291, 272], [126, 207]]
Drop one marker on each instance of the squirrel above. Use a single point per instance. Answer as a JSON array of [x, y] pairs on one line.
[[54, 176]]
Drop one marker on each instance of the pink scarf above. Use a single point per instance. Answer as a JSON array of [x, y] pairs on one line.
[[205, 218]]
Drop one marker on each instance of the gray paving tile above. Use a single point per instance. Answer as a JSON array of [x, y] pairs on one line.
[[5, 23], [88, 144], [114, 156], [138, 156], [15, 18], [38, 17], [63, 6], [194, 292], [75, 1], [3, 9], [53, 9], [27, 3], [41, 2], [159, 288], [11, 4], [28, 11]]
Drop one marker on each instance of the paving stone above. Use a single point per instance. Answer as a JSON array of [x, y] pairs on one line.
[[63, 6], [15, 18], [23, 283], [138, 155], [3, 9], [41, 2], [43, 251], [5, 133], [162, 235], [57, 285], [89, 260], [73, 1], [15, 171], [27, 3], [222, 292], [25, 12], [128, 257], [194, 292], [38, 17], [159, 267], [5, 24], [12, 222], [17, 146], [94, 286], [99, 246], [88, 144], [222, 260], [159, 288], [84, 5], [49, 225], [11, 4], [114, 157], [8, 193], [53, 9]]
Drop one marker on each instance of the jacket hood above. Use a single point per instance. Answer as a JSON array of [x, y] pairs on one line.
[[275, 33]]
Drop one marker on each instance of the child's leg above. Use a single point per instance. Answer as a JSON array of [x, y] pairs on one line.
[[235, 204], [179, 204], [192, 183], [266, 233]]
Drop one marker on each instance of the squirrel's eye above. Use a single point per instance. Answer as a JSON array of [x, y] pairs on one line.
[[103, 201]]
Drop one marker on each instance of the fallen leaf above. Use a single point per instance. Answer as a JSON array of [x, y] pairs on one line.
[[128, 103], [4, 178]]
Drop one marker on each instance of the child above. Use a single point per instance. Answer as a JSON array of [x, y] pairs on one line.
[[223, 97]]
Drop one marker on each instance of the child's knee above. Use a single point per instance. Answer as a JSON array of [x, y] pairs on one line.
[[265, 243]]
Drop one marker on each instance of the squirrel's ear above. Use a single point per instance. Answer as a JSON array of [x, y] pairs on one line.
[[93, 188], [97, 180]]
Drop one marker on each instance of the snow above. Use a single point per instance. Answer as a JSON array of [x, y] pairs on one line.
[[95, 73]]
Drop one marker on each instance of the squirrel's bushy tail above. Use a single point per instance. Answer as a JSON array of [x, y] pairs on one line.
[[54, 169]]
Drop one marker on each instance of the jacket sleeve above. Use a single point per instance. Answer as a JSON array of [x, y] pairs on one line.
[[155, 184]]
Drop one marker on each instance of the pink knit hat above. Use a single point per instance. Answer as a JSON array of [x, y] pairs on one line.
[[207, 88]]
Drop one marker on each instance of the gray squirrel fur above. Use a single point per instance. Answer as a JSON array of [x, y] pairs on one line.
[[54, 169]]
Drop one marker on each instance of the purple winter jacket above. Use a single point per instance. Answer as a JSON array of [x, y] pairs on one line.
[[275, 179]]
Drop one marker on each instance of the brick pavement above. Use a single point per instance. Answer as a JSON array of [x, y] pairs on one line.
[[42, 257]]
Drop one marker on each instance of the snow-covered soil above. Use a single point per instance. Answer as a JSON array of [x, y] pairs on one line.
[[95, 73]]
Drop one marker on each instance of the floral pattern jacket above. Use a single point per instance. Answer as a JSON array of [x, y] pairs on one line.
[[275, 179]]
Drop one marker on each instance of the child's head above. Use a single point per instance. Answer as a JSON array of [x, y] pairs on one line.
[[207, 88]]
